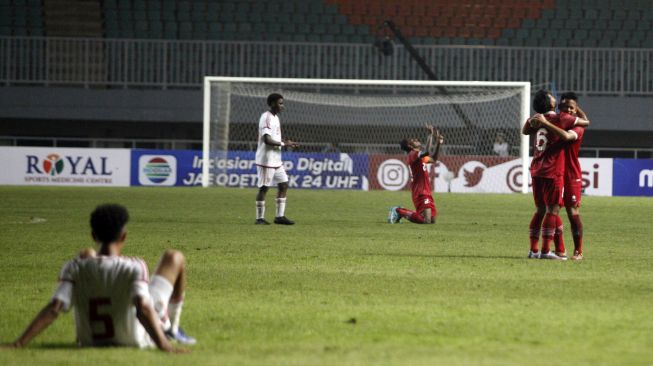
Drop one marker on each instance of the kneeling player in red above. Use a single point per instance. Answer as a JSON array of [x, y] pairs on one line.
[[425, 211]]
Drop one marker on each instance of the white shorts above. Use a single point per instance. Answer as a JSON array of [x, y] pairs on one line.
[[160, 291], [270, 177]]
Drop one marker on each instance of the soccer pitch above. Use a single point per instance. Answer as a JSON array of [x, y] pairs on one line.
[[342, 286]]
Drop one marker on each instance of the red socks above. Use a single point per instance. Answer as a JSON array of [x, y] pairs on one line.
[[577, 232], [548, 229], [534, 231], [558, 239], [410, 215]]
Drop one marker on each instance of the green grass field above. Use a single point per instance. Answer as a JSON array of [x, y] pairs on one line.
[[343, 286]]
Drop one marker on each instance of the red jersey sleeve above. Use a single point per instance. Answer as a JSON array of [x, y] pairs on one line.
[[567, 121], [580, 131]]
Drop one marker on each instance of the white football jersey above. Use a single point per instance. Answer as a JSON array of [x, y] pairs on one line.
[[102, 290], [268, 155]]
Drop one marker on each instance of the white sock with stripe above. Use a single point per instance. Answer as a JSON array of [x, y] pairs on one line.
[[260, 210], [281, 206], [174, 312]]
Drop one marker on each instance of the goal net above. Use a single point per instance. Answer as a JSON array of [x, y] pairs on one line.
[[369, 117]]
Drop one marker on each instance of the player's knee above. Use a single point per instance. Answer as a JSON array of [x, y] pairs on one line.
[[572, 211], [174, 258], [553, 209]]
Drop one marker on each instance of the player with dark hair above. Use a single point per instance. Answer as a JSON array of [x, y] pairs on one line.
[[573, 174], [269, 166], [547, 169], [115, 302], [425, 211]]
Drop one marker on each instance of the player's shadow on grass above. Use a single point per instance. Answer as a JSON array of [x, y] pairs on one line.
[[59, 345]]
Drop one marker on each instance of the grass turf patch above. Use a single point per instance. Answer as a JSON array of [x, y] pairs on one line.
[[343, 286]]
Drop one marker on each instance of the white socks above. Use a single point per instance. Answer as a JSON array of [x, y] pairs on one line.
[[260, 210], [174, 313], [281, 206]]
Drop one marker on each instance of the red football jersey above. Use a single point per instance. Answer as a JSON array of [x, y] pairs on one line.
[[548, 158], [421, 184], [573, 172]]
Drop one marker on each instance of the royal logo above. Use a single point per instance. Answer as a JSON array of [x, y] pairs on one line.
[[53, 164], [159, 170]]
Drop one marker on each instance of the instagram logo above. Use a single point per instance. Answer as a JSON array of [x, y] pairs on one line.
[[393, 175]]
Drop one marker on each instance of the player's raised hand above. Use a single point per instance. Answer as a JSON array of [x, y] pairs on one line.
[[439, 137], [431, 129]]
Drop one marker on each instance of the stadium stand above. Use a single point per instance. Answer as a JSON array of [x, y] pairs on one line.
[[529, 23], [562, 23]]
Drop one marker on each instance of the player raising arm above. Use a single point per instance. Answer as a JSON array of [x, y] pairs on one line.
[[114, 301], [425, 211]]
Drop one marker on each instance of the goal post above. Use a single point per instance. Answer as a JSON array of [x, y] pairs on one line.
[[352, 116]]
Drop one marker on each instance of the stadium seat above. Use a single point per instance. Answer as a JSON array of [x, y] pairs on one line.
[[522, 34], [124, 5], [200, 30], [20, 31], [141, 28], [108, 4], [155, 29], [5, 16], [214, 30], [644, 25], [183, 16], [139, 15], [615, 24], [185, 30], [170, 30]]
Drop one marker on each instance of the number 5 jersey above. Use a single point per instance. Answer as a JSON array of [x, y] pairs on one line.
[[102, 290]]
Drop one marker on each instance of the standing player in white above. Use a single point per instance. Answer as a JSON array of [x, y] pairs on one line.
[[269, 166], [115, 303]]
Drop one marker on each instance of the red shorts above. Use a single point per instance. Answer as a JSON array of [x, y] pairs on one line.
[[423, 202], [571, 196], [547, 191]]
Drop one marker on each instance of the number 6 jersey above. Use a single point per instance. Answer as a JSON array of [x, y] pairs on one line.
[[102, 290], [548, 158]]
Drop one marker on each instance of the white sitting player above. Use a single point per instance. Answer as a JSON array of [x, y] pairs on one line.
[[114, 301], [269, 166]]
